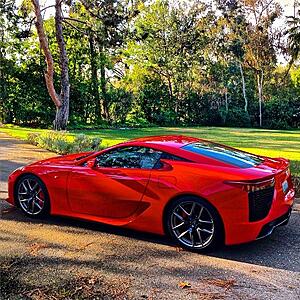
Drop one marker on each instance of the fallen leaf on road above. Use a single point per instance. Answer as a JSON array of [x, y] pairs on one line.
[[292, 287], [83, 247], [36, 247], [7, 210], [179, 249], [92, 281], [184, 284]]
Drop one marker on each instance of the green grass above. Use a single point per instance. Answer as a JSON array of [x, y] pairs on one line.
[[273, 143]]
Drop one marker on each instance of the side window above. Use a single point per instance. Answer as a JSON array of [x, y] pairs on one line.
[[129, 157], [169, 156]]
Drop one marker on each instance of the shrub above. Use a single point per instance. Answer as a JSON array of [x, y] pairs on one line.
[[60, 143], [237, 117], [296, 183], [56, 142], [136, 118], [83, 143], [137, 122], [32, 138], [282, 113], [120, 104]]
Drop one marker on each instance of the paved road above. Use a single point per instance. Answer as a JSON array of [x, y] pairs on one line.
[[60, 258]]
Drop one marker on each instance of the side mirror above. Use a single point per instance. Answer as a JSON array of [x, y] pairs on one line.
[[91, 163]]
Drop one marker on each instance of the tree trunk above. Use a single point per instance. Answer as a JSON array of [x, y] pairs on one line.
[[61, 117], [48, 56], [61, 100], [2, 81], [105, 108], [260, 77], [95, 80], [244, 88], [226, 100], [62, 112], [170, 88]]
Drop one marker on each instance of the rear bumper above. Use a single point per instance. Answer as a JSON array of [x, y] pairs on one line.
[[269, 227], [243, 231]]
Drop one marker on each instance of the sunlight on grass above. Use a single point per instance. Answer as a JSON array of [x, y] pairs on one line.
[[273, 143]]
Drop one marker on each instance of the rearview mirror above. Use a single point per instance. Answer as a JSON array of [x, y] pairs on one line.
[[91, 163]]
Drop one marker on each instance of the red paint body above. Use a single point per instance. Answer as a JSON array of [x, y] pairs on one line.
[[136, 198]]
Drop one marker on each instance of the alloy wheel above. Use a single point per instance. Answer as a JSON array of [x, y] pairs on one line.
[[192, 224], [31, 196]]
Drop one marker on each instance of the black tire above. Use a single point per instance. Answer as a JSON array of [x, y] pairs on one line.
[[39, 206], [198, 222]]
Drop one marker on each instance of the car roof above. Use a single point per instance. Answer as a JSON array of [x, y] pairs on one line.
[[174, 141]]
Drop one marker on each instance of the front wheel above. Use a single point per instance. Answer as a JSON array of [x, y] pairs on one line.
[[31, 196], [194, 224]]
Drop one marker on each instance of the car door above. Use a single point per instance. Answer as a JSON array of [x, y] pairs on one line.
[[115, 185]]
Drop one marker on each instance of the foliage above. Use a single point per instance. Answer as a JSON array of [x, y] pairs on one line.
[[237, 117], [143, 63], [61, 143], [120, 104], [282, 113]]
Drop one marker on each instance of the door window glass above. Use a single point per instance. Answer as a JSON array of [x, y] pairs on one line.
[[129, 157]]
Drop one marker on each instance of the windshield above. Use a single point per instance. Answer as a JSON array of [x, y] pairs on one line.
[[225, 154]]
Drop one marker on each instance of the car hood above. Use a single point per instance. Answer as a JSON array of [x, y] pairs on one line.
[[69, 159]]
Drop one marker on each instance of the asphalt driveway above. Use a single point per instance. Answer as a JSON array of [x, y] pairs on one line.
[[60, 258]]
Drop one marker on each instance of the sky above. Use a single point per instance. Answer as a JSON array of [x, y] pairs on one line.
[[288, 6]]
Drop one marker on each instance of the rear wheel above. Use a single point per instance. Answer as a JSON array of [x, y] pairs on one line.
[[32, 196], [194, 224]]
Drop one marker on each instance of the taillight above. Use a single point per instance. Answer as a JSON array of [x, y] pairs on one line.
[[253, 186]]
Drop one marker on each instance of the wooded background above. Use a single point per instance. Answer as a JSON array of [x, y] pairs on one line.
[[142, 63]]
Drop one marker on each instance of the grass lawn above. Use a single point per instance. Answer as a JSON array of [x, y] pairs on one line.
[[273, 143]]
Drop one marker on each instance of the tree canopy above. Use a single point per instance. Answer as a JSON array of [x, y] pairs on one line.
[[142, 63]]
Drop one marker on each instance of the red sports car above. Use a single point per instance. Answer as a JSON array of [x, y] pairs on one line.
[[198, 192]]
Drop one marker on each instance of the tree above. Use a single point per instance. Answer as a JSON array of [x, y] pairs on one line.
[[169, 44], [60, 100], [260, 53], [135, 62], [111, 23], [293, 33], [8, 29], [233, 26]]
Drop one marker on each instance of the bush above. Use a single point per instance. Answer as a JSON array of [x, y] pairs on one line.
[[136, 119], [120, 104], [32, 138], [237, 117], [282, 113], [83, 143], [60, 143]]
